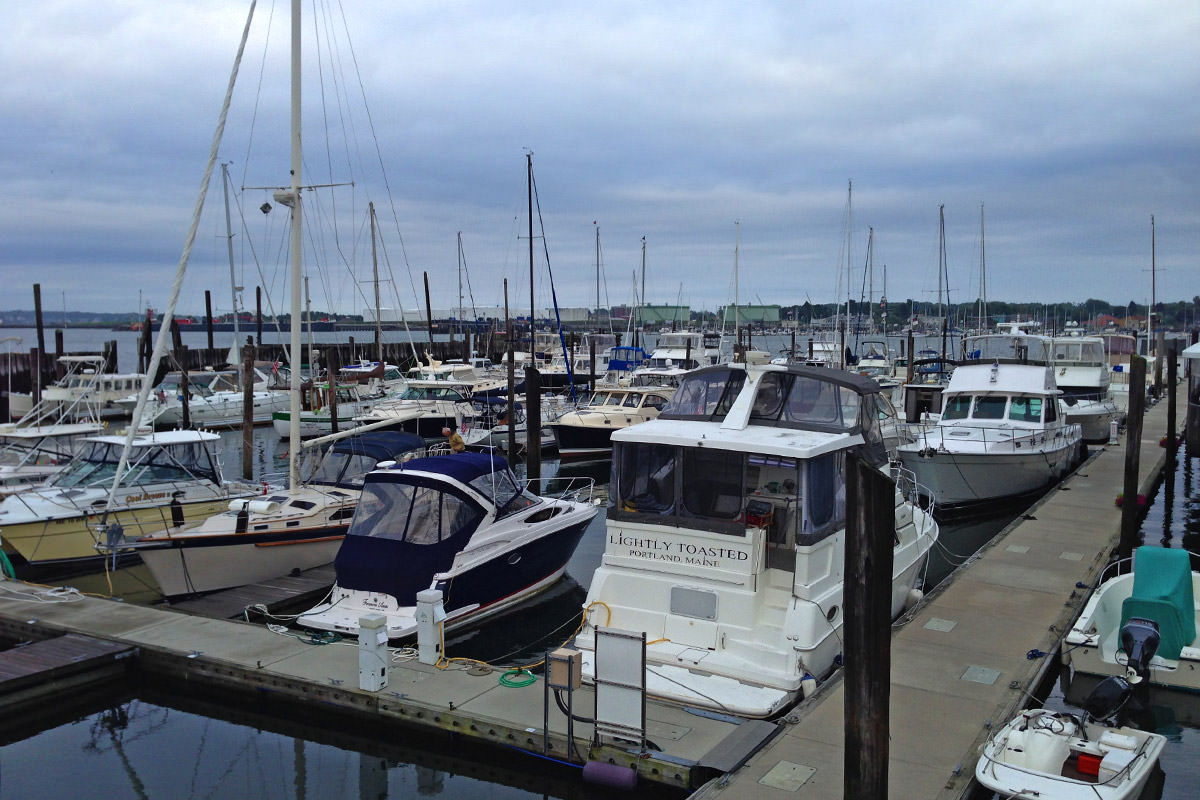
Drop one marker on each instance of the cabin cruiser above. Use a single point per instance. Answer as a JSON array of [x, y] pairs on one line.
[[686, 349], [1142, 621], [585, 433], [171, 477], [463, 524], [426, 408], [215, 399], [274, 534], [1001, 434], [726, 535], [84, 393], [1082, 375], [352, 400]]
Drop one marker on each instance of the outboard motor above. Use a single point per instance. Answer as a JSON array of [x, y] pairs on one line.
[[1139, 641], [1108, 698]]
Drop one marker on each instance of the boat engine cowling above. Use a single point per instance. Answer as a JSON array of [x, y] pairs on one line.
[[1139, 641], [1108, 698]]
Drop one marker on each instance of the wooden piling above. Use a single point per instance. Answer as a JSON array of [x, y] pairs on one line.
[[870, 536], [248, 409], [1130, 512]]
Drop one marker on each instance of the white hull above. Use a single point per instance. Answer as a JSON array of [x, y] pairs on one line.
[[956, 478], [770, 634], [194, 570], [220, 411], [1095, 418]]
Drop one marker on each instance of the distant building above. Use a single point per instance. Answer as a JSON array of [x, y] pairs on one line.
[[766, 316]]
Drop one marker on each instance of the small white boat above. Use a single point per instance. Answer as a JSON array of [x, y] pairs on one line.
[[85, 392], [1142, 623], [1052, 755], [463, 524]]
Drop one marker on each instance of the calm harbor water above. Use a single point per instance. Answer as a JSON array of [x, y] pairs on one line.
[[163, 743]]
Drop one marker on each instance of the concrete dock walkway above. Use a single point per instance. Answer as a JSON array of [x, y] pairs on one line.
[[959, 663]]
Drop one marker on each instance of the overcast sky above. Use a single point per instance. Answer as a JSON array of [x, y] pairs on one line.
[[700, 126]]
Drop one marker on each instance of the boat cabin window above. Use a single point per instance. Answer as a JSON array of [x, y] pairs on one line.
[[178, 462], [957, 407], [402, 512], [1025, 409], [706, 394], [990, 407], [643, 479], [654, 401], [712, 482], [632, 400], [726, 491]]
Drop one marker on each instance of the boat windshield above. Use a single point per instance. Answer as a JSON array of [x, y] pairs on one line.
[[412, 513], [798, 400], [97, 464], [502, 489], [343, 469], [705, 394], [432, 393]]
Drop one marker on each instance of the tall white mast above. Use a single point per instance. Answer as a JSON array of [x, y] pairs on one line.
[[293, 195]]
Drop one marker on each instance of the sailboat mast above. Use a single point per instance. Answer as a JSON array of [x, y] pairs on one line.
[[234, 288], [737, 246], [597, 270], [375, 275], [1150, 348], [640, 320], [983, 315], [529, 190], [297, 267]]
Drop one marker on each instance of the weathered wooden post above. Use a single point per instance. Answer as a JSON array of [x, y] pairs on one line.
[[258, 321], [185, 386], [1172, 355], [870, 537], [333, 363], [248, 409], [1133, 442], [208, 320], [533, 428]]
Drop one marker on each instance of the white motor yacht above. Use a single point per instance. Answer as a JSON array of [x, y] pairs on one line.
[[726, 535], [1081, 373], [1000, 434]]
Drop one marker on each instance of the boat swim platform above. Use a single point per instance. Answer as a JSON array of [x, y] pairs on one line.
[[285, 671], [959, 660]]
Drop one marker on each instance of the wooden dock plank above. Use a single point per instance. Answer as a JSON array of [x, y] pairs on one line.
[[44, 663], [277, 593]]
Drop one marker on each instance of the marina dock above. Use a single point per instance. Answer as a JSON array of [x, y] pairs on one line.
[[460, 700], [966, 660], [961, 665]]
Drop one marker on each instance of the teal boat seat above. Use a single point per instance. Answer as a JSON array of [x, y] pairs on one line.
[[1162, 593]]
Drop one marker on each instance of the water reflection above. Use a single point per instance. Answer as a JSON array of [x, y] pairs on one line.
[[160, 745]]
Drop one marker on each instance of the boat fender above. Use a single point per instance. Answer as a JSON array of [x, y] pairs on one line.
[[808, 685], [913, 597], [613, 776]]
